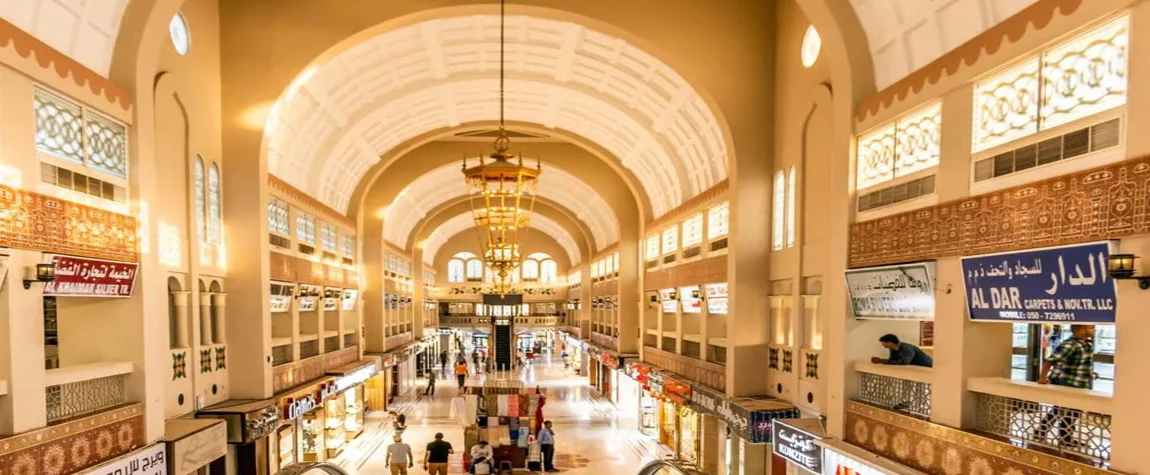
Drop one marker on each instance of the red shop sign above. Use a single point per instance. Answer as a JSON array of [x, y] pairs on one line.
[[609, 360], [639, 373], [677, 391], [80, 277]]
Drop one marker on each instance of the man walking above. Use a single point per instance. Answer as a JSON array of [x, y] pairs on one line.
[[1071, 365], [430, 384], [399, 457], [546, 440], [438, 453], [443, 361]]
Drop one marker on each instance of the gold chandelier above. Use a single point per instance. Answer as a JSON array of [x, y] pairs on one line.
[[502, 194]]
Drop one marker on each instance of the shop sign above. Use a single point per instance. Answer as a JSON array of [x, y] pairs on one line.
[[798, 446], [306, 304], [261, 423], [79, 277], [355, 378], [640, 373], [189, 454], [330, 304], [280, 303], [350, 297], [678, 392], [326, 390], [444, 331], [388, 361], [902, 292], [150, 461], [750, 418], [297, 407], [1066, 284], [690, 298]]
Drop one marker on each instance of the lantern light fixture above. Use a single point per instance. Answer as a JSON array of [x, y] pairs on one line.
[[1121, 266], [43, 273]]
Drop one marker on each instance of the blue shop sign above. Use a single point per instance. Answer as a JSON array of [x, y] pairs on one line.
[[1067, 284]]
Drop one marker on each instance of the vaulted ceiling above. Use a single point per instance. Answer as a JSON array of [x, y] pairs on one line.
[[466, 222], [85, 30]]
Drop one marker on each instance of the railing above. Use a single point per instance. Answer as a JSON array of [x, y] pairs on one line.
[[718, 354], [704, 372], [84, 389], [281, 354], [1066, 420], [896, 387], [668, 467], [650, 340], [311, 467], [349, 339], [669, 344]]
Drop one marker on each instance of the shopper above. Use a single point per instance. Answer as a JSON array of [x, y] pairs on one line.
[[902, 353], [443, 360], [430, 384], [1071, 365], [399, 457], [461, 373], [546, 440], [438, 454], [482, 459]]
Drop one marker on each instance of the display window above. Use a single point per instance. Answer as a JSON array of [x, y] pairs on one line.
[[311, 437], [688, 435], [335, 437], [669, 426], [649, 415], [286, 440]]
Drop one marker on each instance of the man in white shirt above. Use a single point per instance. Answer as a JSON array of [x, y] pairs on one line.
[[399, 457], [482, 458]]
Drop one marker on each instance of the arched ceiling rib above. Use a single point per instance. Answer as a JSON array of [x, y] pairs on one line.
[[464, 222], [905, 35], [84, 30], [335, 124], [446, 183]]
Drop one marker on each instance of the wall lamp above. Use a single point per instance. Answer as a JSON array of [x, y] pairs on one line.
[[44, 273], [1121, 266]]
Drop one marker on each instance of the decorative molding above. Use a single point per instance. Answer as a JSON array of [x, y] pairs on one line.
[[75, 445], [36, 222], [990, 41], [27, 47], [704, 271], [316, 207], [699, 371], [690, 206], [179, 364], [287, 268], [941, 450], [293, 374], [1108, 202]]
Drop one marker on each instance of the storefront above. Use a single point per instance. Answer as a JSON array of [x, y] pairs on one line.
[[575, 352], [344, 411], [301, 436], [748, 418], [841, 458], [250, 425], [649, 404], [196, 445]]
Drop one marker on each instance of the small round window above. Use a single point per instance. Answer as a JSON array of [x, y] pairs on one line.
[[181, 40], [812, 44]]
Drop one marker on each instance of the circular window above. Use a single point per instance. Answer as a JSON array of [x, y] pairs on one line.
[[178, 28], [812, 44]]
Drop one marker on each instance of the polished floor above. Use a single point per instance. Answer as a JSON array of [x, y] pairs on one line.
[[587, 439]]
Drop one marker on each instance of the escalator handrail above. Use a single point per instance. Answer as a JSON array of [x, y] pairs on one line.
[[677, 467], [302, 468]]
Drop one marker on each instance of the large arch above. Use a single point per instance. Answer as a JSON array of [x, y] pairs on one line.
[[462, 223]]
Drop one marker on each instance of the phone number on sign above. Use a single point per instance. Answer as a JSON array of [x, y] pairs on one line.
[[1048, 316]]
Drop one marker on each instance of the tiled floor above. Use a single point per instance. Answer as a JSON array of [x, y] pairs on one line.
[[587, 440]]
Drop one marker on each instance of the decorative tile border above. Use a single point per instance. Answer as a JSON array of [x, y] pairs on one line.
[[286, 268], [28, 47], [37, 222], [700, 371], [1103, 203], [293, 374], [938, 449], [691, 206], [76, 445], [990, 41], [711, 269]]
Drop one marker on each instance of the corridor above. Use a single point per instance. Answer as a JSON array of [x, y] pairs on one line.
[[587, 439]]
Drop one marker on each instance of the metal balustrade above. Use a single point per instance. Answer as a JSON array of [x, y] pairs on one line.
[[895, 393], [79, 398], [1062, 429], [281, 355]]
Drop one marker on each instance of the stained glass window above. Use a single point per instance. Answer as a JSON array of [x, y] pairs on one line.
[[548, 271], [1086, 74], [777, 213], [908, 145], [278, 216], [201, 214], [327, 237], [1006, 105], [70, 132], [693, 230], [214, 215], [652, 247], [791, 206], [305, 228], [670, 239], [718, 221]]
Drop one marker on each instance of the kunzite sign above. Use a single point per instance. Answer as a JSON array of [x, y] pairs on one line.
[[80, 277]]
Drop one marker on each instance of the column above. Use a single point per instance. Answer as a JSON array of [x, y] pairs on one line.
[[219, 310], [205, 336], [628, 289], [180, 301], [754, 459], [21, 348], [1130, 417], [712, 441]]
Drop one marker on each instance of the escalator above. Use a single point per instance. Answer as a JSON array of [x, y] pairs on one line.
[[668, 467], [504, 347], [312, 468]]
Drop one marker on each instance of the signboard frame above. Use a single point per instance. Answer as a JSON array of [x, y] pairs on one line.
[[77, 270], [907, 277]]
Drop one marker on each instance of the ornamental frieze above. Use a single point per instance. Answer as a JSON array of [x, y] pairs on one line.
[[36, 222], [1108, 202]]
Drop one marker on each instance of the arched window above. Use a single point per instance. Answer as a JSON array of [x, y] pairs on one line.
[[455, 273], [791, 206], [530, 269], [474, 269], [548, 272], [199, 190], [777, 214], [214, 231]]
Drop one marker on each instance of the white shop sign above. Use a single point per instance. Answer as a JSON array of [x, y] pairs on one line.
[[150, 461], [354, 378], [902, 292]]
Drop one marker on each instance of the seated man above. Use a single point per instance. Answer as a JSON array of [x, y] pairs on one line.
[[482, 458]]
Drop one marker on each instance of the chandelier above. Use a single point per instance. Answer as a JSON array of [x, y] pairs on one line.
[[501, 193]]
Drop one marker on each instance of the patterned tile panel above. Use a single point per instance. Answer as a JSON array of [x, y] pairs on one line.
[[296, 373], [38, 222], [1109, 202], [712, 269], [74, 446], [709, 374], [941, 450]]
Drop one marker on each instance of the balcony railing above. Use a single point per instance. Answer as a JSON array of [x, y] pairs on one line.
[[281, 354], [84, 389], [294, 373], [899, 388], [1066, 420]]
